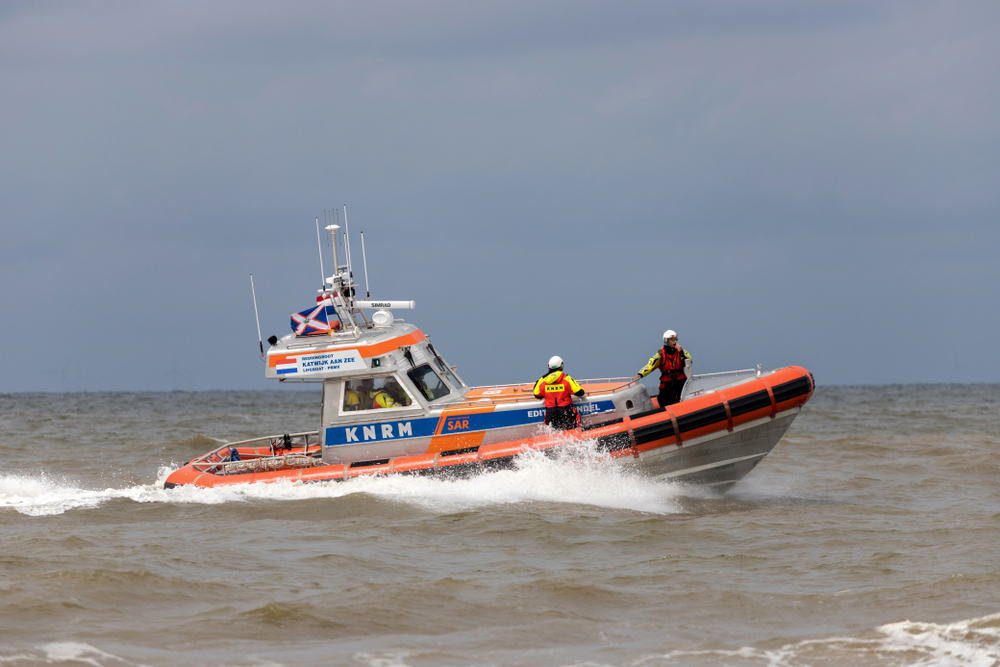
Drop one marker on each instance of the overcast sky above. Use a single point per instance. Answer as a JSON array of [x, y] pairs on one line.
[[783, 183]]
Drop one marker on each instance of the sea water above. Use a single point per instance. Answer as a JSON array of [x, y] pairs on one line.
[[869, 536]]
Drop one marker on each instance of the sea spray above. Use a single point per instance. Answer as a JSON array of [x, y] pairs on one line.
[[575, 474]]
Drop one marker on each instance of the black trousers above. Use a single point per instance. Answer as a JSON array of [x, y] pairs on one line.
[[670, 392], [563, 418]]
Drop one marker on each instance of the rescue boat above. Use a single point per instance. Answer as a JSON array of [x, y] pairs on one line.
[[391, 404]]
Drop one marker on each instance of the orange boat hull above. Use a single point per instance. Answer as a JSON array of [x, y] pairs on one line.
[[714, 439]]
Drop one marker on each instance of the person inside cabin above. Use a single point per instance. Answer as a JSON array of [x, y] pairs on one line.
[[674, 363], [396, 392], [557, 390], [364, 390], [380, 398], [352, 398]]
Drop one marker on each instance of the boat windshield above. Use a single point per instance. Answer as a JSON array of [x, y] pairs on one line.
[[374, 393], [428, 382], [443, 367]]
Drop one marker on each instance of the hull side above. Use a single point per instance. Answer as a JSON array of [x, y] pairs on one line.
[[714, 439], [719, 460]]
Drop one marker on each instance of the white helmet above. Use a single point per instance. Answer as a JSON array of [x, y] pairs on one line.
[[555, 363], [668, 334]]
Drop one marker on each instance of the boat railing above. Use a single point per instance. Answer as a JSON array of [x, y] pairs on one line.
[[220, 457], [703, 383], [623, 383]]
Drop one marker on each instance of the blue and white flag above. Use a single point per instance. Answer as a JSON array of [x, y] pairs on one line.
[[319, 320]]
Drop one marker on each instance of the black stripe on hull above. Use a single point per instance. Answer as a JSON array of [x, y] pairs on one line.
[[750, 403], [591, 427], [499, 463], [613, 442], [456, 452], [701, 418], [657, 431], [373, 462], [793, 389]]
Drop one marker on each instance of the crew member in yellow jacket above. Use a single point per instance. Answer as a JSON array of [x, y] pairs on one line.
[[673, 362], [558, 390]]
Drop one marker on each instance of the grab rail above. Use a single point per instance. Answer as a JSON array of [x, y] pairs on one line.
[[498, 400], [268, 438], [691, 390], [206, 460]]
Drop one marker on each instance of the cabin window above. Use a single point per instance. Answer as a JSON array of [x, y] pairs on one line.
[[374, 393], [428, 382]]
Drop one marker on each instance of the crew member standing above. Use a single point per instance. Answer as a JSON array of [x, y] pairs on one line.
[[673, 362], [558, 390]]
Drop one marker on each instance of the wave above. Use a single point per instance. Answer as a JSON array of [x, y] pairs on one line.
[[968, 643], [578, 477], [68, 653]]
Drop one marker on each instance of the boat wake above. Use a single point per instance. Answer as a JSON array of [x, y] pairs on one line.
[[577, 475]]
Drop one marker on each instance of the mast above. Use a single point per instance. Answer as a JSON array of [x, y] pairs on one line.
[[319, 244], [260, 340], [364, 260], [340, 303]]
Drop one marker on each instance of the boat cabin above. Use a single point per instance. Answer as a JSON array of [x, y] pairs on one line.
[[388, 392]]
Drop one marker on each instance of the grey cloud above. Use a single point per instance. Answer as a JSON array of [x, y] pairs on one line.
[[766, 176]]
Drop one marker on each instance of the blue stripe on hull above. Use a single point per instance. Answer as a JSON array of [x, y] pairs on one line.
[[393, 429]]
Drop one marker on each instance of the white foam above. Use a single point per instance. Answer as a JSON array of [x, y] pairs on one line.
[[968, 643], [41, 495], [577, 475], [79, 652], [383, 660], [971, 642]]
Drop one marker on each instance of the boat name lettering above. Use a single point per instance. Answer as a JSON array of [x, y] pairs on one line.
[[324, 360], [340, 360], [371, 432], [582, 408]]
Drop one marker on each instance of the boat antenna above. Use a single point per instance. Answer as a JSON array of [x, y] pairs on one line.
[[336, 220], [260, 340], [319, 244], [336, 261], [347, 246], [364, 260]]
